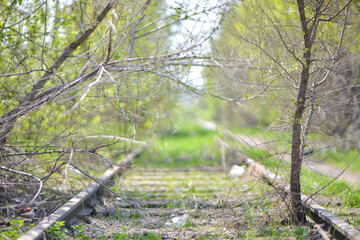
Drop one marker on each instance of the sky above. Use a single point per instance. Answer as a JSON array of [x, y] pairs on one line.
[[194, 30]]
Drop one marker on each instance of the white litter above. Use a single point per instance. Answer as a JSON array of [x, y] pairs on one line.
[[177, 221], [237, 171], [207, 124]]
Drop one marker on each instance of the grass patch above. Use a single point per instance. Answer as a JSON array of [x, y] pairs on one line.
[[265, 134], [187, 145], [310, 181], [341, 157], [256, 212], [190, 145], [338, 156], [138, 236]]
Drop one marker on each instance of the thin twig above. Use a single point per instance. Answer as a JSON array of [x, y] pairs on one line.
[[30, 71], [334, 179], [112, 137], [28, 175]]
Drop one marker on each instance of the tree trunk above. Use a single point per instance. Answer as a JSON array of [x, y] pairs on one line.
[[298, 214], [296, 159]]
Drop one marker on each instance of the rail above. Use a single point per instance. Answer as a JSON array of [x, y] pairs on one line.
[[70, 209]]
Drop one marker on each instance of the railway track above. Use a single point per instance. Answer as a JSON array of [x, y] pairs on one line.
[[338, 228], [212, 206], [76, 204]]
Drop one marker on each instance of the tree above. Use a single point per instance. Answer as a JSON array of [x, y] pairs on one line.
[[300, 46], [320, 11], [84, 81]]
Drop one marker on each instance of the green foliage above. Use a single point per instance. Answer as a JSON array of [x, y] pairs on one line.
[[56, 231], [145, 236], [268, 34], [15, 229], [80, 232]]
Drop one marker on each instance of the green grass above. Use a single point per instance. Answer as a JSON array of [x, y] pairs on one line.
[[188, 145], [338, 156], [341, 157], [262, 133], [311, 181]]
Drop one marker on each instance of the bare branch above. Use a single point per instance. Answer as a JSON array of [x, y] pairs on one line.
[[70, 49], [98, 79], [337, 13], [28, 175], [30, 71], [31, 96], [203, 92], [111, 137]]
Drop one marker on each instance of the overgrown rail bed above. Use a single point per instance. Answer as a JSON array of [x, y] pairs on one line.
[[211, 204], [214, 206]]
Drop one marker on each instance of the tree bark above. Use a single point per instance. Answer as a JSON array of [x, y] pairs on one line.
[[296, 159], [298, 214]]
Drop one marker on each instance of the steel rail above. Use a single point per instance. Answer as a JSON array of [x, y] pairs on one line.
[[335, 226], [71, 208]]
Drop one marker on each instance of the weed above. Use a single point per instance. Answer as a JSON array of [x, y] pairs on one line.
[[118, 215], [189, 224], [135, 214], [55, 231], [353, 221], [79, 232], [139, 236], [249, 212], [15, 230], [300, 232]]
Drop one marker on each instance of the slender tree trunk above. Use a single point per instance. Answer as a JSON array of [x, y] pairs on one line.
[[298, 214], [296, 159]]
